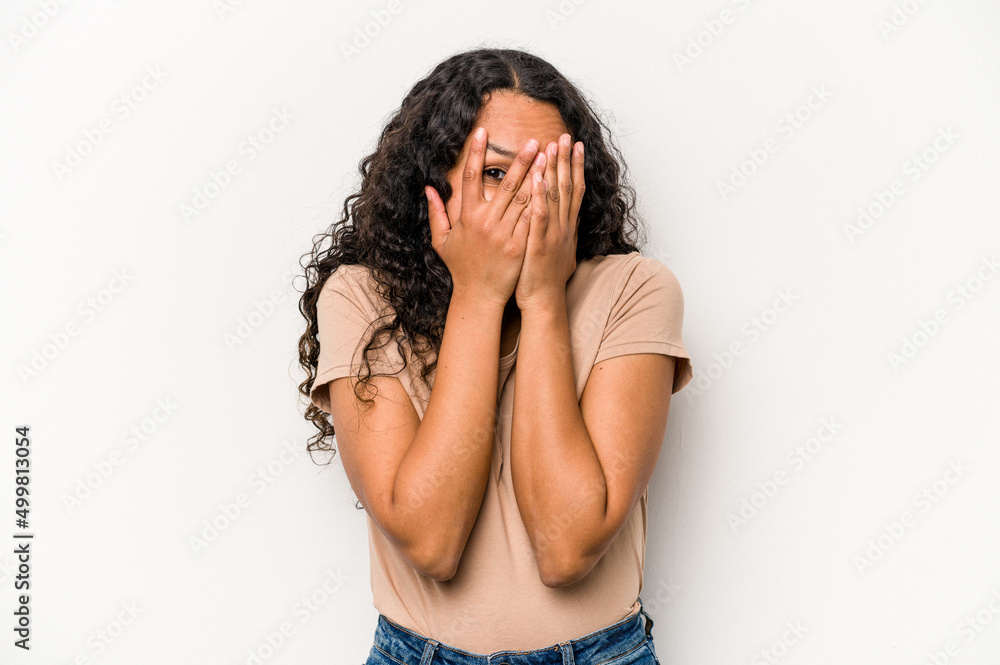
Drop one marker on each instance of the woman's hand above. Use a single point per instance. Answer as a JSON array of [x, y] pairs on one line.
[[550, 255], [484, 247]]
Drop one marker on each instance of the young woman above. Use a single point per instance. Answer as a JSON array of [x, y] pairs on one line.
[[506, 504]]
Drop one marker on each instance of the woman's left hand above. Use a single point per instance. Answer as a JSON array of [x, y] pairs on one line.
[[550, 257]]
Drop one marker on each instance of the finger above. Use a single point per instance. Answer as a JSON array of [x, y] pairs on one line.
[[437, 215], [552, 178], [519, 204], [511, 183], [539, 208], [579, 185], [534, 214], [521, 229], [564, 173], [472, 173]]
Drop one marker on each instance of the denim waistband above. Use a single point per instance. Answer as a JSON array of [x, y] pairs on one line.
[[608, 643]]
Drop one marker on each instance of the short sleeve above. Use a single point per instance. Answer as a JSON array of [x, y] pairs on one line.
[[346, 310], [647, 316]]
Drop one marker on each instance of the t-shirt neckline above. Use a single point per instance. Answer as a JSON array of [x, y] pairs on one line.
[[507, 360]]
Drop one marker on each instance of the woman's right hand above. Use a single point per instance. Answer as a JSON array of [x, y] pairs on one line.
[[483, 247]]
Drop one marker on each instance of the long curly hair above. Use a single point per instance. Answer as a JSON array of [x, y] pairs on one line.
[[390, 233]]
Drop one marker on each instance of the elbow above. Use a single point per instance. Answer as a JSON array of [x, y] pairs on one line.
[[436, 561], [561, 568], [438, 570], [432, 549]]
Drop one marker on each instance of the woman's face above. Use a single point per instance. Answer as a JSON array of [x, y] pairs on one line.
[[510, 119]]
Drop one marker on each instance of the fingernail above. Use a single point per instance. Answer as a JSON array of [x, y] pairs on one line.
[[539, 159], [479, 133], [532, 145]]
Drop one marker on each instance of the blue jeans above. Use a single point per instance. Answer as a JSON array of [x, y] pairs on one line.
[[627, 642]]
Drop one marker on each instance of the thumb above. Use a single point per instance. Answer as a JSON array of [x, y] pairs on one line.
[[438, 216]]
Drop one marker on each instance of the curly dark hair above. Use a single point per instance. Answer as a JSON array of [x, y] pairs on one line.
[[391, 234]]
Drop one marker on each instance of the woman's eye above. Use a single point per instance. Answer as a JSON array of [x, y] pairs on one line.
[[494, 173]]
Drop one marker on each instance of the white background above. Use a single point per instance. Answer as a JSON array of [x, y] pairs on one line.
[[845, 547]]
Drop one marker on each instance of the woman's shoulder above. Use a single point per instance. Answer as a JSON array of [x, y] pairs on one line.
[[616, 269], [628, 258], [353, 276], [348, 272], [356, 283]]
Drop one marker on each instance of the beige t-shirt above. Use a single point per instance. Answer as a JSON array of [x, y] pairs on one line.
[[617, 305]]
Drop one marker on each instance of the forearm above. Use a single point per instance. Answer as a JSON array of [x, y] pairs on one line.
[[558, 479], [440, 481]]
